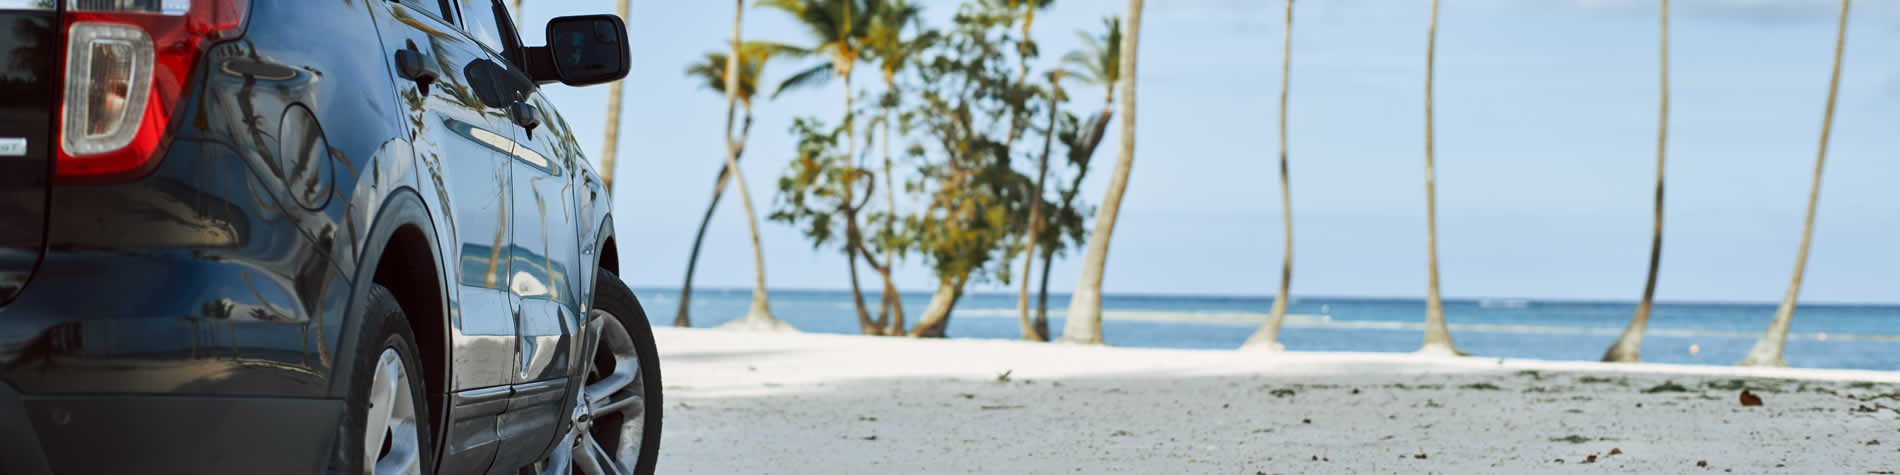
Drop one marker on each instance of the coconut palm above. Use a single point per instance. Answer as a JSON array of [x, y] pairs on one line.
[[1268, 336], [1437, 336], [712, 71], [838, 30], [1085, 305], [759, 315], [1098, 63], [885, 41], [610, 144], [1630, 345], [1023, 14], [1038, 330], [1767, 351]]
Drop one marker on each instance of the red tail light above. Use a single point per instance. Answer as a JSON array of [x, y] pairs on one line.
[[127, 63]]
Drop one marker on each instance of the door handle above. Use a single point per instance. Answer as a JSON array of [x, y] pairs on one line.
[[525, 115], [416, 66]]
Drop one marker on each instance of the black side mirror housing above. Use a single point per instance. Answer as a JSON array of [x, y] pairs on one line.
[[582, 50]]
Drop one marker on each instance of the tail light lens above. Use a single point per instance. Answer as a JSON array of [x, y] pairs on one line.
[[127, 63]]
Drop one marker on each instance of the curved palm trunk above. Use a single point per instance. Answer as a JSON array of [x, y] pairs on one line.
[[865, 325], [683, 319], [1268, 336], [1767, 351], [1032, 331], [1437, 336], [1629, 346], [936, 317], [610, 144], [1085, 305], [759, 315], [893, 302], [1042, 295]]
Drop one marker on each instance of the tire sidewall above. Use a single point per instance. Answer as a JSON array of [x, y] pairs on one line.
[[387, 327], [613, 297]]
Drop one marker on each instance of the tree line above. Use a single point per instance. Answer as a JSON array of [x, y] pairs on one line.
[[976, 126]]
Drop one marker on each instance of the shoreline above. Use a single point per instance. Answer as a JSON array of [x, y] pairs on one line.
[[743, 402]]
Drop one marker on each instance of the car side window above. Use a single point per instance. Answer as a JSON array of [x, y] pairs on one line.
[[487, 22], [439, 8]]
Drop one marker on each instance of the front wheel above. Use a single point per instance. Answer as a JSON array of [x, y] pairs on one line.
[[615, 427]]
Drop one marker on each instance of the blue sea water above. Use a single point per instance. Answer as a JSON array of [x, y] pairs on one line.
[[1823, 335]]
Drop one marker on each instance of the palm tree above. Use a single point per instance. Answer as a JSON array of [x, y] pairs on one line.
[[1097, 64], [1038, 330], [1268, 336], [1767, 351], [1085, 305], [1437, 336], [759, 316], [838, 28], [713, 72], [886, 42], [1025, 11], [1630, 345], [610, 145]]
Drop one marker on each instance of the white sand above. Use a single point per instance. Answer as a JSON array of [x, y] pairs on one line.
[[811, 403]]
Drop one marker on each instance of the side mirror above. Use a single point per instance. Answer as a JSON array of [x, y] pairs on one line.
[[583, 50]]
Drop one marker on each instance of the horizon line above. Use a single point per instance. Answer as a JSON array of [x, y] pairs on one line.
[[1296, 297]]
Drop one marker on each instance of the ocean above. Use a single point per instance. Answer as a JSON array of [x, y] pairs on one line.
[[1823, 335]]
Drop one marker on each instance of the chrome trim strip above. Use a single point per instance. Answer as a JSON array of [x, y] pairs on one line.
[[482, 402]]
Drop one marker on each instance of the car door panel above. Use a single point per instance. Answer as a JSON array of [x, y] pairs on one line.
[[462, 145]]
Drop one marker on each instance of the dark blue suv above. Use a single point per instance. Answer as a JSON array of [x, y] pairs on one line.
[[275, 236]]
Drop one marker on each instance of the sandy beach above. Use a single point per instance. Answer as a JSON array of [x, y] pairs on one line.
[[810, 403]]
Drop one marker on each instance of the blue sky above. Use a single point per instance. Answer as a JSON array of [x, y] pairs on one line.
[[1546, 148]]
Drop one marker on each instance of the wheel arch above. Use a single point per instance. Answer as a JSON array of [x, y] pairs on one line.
[[401, 254]]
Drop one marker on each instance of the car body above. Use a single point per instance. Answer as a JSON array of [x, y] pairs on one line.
[[187, 301]]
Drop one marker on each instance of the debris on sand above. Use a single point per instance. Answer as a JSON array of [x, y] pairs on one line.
[[1701, 463], [1572, 438], [1666, 387], [1750, 399]]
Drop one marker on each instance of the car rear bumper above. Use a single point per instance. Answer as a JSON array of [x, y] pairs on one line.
[[165, 434]]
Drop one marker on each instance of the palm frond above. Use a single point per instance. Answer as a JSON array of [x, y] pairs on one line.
[[811, 77]]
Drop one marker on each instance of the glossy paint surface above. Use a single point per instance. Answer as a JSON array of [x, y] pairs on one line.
[[232, 269], [29, 78]]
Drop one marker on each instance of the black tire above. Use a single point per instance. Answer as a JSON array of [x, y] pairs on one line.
[[613, 297], [384, 327]]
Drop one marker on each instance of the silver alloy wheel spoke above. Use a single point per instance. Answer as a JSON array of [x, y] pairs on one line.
[[391, 420], [634, 400], [607, 462], [618, 392], [585, 458]]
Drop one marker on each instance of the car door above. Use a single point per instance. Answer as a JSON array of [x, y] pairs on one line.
[[462, 146], [541, 255]]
